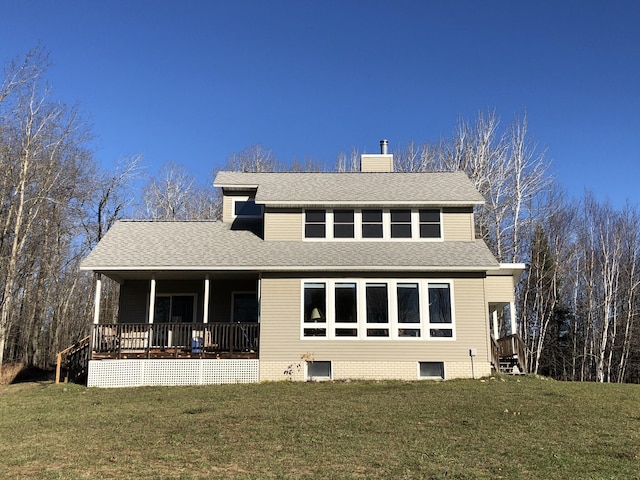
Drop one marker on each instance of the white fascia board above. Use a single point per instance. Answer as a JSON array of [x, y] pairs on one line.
[[235, 186], [311, 268], [380, 203]]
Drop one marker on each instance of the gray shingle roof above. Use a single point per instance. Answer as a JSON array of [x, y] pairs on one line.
[[144, 245], [300, 189]]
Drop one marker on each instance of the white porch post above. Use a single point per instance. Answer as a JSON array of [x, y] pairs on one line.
[[96, 300], [205, 310], [494, 317], [512, 317], [152, 299]]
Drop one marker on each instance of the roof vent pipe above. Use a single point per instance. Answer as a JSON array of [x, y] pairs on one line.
[[383, 147]]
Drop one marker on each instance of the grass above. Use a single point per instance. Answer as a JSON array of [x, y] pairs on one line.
[[506, 428]]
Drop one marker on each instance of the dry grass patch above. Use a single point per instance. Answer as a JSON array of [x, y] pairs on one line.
[[8, 372], [408, 430]]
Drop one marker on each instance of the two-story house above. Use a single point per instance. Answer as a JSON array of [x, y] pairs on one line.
[[366, 275]]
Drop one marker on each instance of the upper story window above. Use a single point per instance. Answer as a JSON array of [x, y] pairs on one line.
[[315, 223], [400, 223], [246, 208], [343, 224], [429, 223], [371, 224]]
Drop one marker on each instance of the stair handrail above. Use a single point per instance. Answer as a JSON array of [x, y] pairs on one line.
[[512, 346], [66, 357]]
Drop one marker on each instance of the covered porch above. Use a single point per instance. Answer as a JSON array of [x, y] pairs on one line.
[[177, 315]]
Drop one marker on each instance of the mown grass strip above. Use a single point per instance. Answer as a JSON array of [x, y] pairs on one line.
[[524, 428]]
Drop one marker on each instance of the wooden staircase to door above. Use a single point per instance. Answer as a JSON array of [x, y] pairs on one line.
[[509, 355]]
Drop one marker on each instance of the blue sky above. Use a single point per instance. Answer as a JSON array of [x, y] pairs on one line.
[[194, 81]]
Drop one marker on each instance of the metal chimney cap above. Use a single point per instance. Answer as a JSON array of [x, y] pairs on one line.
[[384, 144]]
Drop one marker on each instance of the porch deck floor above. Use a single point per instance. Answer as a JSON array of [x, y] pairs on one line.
[[172, 354]]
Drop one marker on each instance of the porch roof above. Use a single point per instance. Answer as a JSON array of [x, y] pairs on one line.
[[131, 246], [328, 188]]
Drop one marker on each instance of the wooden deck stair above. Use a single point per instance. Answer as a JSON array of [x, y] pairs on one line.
[[72, 363], [509, 355]]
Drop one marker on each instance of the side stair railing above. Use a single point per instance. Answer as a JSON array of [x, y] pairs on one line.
[[512, 349], [72, 363]]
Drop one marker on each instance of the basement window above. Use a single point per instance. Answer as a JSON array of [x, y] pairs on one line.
[[432, 370], [319, 370]]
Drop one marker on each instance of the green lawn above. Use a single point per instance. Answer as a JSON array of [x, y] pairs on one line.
[[518, 428]]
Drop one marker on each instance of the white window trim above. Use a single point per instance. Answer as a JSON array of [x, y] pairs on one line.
[[244, 198], [386, 226], [435, 377], [394, 326]]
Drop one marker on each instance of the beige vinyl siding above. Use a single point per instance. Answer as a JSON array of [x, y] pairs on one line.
[[227, 203], [280, 320], [457, 224], [283, 225], [280, 330], [499, 289], [376, 163]]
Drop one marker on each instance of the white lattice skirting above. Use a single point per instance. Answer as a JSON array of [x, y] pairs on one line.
[[137, 373]]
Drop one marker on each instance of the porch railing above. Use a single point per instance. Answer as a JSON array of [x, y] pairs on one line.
[[194, 339]]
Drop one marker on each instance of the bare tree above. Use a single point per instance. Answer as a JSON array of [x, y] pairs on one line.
[[349, 163], [45, 176], [255, 158], [175, 195]]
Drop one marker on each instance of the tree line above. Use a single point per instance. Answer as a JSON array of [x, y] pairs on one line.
[[576, 303]]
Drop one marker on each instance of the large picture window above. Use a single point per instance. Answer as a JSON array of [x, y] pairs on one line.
[[440, 310], [315, 301], [346, 310], [401, 309], [377, 310], [408, 309]]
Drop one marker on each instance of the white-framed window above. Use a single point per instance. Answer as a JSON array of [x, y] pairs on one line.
[[246, 207], [314, 305], [397, 309], [315, 223], [343, 224], [373, 224], [431, 370]]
